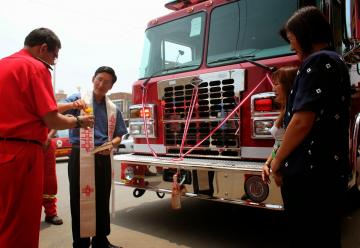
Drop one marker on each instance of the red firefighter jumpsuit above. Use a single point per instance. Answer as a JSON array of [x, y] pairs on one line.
[[50, 181], [26, 95]]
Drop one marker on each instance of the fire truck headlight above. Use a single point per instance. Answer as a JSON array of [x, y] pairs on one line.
[[135, 129], [150, 129], [262, 127], [139, 116], [129, 173], [256, 189]]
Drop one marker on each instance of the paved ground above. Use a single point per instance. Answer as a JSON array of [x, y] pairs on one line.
[[150, 222]]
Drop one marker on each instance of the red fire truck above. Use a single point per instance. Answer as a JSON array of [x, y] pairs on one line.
[[203, 105]]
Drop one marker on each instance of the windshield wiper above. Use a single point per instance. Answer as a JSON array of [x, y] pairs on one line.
[[166, 70], [177, 67], [266, 67], [232, 58], [245, 58]]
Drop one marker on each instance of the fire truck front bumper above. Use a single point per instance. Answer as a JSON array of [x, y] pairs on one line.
[[232, 181]]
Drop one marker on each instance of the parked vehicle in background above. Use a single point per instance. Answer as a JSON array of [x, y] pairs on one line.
[[63, 145], [126, 145]]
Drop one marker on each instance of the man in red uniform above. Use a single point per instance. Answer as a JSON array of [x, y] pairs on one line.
[[50, 182], [27, 109]]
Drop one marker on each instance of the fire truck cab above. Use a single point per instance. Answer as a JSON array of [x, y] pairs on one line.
[[203, 104]]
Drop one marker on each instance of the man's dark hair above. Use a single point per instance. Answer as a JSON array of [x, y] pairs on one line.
[[40, 36], [108, 70], [310, 27]]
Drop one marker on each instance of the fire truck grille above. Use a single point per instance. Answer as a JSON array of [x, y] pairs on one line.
[[216, 99]]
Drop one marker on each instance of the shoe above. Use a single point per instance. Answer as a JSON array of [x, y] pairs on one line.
[[55, 220], [113, 246], [106, 246]]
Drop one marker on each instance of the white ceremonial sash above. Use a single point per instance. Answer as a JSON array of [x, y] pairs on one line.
[[111, 114], [87, 168]]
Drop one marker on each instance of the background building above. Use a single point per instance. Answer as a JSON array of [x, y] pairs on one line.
[[60, 95], [123, 101]]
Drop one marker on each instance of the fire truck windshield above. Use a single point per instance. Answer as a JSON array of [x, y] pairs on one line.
[[248, 29], [176, 45], [238, 31]]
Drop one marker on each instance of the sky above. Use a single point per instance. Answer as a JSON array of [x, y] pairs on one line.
[[92, 33]]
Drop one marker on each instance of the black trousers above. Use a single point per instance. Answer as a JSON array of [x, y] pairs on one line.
[[313, 205], [102, 191]]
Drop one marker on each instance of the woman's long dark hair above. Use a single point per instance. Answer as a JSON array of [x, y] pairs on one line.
[[285, 76]]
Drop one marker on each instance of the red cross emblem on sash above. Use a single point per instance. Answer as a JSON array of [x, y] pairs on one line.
[[87, 190]]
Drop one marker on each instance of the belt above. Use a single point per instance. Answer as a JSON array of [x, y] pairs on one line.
[[22, 140]]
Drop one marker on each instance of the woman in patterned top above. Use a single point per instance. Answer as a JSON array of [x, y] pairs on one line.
[[312, 163], [283, 79]]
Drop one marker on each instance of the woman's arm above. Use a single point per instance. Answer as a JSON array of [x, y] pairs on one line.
[[298, 128]]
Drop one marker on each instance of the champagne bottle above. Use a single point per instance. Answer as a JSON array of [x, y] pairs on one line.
[[176, 194]]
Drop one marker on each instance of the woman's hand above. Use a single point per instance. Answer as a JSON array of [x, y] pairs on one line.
[[275, 166], [266, 173]]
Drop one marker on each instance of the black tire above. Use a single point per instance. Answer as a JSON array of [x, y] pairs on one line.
[[138, 192], [160, 194]]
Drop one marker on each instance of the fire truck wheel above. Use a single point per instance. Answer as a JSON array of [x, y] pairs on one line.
[[160, 195], [138, 192]]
